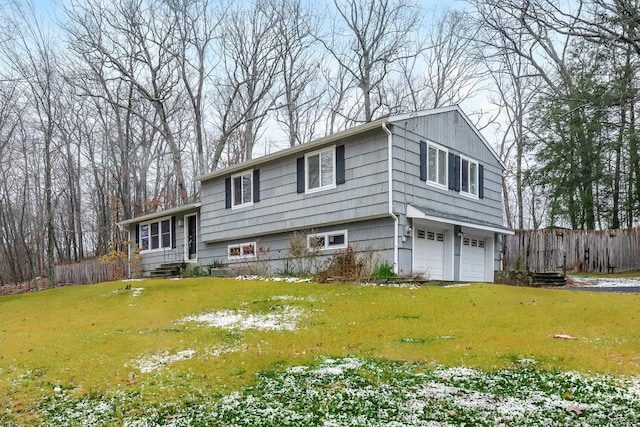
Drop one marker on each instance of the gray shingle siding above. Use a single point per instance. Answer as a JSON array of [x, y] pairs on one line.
[[363, 195]]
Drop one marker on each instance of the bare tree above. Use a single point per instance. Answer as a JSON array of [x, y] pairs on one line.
[[299, 114], [368, 39], [30, 57], [136, 39], [245, 84], [196, 25]]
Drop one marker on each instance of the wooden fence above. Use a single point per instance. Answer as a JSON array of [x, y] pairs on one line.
[[88, 271], [573, 250]]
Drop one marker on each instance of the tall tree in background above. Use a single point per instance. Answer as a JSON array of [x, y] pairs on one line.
[[136, 39], [244, 86], [369, 38], [196, 24], [300, 111], [30, 59]]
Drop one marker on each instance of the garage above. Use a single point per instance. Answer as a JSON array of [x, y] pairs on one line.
[[473, 259], [429, 253]]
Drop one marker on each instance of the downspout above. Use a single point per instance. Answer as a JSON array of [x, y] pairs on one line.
[[391, 214]]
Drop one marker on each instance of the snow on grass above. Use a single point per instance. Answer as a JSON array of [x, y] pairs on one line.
[[282, 318], [150, 363], [606, 282], [275, 279], [361, 392]]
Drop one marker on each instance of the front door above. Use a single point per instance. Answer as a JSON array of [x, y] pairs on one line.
[[192, 242]]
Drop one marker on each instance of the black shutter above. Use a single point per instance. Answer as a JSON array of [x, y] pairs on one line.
[[340, 165], [173, 232], [300, 170], [481, 181], [256, 185], [452, 171], [423, 161], [227, 193], [457, 172], [137, 241]]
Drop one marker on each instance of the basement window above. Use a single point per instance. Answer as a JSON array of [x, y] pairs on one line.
[[326, 241]]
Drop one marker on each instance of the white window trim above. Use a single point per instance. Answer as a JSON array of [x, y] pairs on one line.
[[241, 246], [325, 237], [160, 248], [306, 170], [467, 193], [233, 198], [444, 186]]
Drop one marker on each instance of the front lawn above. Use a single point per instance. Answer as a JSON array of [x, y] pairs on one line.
[[226, 351]]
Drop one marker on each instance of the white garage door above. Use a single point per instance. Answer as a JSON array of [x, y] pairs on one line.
[[472, 259], [429, 253]]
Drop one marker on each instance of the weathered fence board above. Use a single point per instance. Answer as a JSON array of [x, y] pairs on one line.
[[575, 250], [88, 271]]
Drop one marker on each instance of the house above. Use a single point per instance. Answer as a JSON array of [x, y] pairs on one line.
[[421, 191]]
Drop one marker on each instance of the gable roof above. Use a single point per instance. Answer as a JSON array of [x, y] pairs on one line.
[[356, 130], [440, 110]]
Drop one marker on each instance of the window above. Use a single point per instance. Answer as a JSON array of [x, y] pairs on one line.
[[156, 235], [326, 241], [242, 250], [469, 184], [320, 168], [242, 185], [437, 165]]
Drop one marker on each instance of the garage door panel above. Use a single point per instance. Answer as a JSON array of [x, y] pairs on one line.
[[472, 258], [429, 253]]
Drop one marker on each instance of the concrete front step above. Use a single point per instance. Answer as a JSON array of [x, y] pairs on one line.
[[168, 270]]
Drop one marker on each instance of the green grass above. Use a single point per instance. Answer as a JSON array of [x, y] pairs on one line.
[[87, 343]]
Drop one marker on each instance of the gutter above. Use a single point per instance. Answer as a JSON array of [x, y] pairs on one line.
[[391, 214]]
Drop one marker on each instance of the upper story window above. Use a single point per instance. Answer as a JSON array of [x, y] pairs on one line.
[[242, 189], [321, 170], [437, 165], [242, 185], [156, 235], [469, 178]]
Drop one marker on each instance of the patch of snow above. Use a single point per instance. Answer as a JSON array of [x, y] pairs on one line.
[[403, 285], [337, 367], [282, 319], [606, 282], [292, 298], [458, 285], [146, 364], [287, 279], [136, 292]]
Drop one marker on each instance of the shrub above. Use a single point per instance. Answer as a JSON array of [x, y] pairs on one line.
[[193, 270], [343, 266], [383, 271], [117, 261], [303, 259]]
